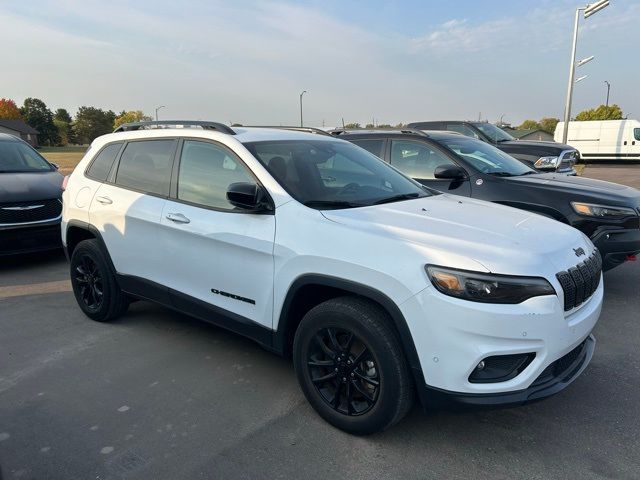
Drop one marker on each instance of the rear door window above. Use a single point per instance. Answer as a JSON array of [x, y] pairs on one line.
[[372, 146], [461, 128], [101, 165], [146, 166]]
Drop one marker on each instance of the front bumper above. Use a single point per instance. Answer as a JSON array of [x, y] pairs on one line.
[[32, 238], [616, 245], [452, 336], [553, 379]]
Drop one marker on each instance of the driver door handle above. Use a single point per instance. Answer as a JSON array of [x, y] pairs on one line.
[[177, 218], [104, 200]]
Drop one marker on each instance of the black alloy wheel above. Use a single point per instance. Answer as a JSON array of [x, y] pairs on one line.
[[89, 280], [343, 370]]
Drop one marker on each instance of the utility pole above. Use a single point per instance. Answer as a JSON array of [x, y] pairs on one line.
[[608, 88], [301, 121]]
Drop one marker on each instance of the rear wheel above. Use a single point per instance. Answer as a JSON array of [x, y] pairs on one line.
[[351, 367], [94, 284]]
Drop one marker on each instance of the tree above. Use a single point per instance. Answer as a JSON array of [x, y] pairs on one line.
[[369, 125], [529, 125], [91, 122], [548, 124], [131, 116], [62, 115], [35, 113], [612, 112], [400, 125], [9, 110], [352, 125]]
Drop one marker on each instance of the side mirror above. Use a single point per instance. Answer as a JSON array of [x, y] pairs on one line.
[[248, 196], [450, 172]]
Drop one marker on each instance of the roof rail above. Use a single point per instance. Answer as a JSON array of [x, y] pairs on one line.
[[413, 131], [317, 131], [219, 127]]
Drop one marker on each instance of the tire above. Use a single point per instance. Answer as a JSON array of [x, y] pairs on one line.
[[347, 345], [94, 283]]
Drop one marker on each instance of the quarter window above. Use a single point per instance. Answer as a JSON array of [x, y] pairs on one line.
[[101, 165], [206, 171], [636, 133], [417, 160], [146, 166]]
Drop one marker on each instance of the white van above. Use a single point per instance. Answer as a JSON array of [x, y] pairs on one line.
[[606, 140]]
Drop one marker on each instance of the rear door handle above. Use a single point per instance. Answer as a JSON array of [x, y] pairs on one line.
[[104, 200], [177, 218]]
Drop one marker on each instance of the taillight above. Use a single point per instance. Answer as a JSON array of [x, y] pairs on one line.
[[65, 180]]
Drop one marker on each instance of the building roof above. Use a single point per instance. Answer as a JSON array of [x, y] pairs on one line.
[[514, 132], [18, 126]]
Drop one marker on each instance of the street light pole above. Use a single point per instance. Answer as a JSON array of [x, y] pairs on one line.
[[301, 121], [608, 88], [589, 10], [158, 108]]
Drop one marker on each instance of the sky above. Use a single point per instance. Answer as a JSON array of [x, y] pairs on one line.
[[361, 61]]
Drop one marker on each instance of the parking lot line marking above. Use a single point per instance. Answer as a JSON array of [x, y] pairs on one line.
[[35, 289]]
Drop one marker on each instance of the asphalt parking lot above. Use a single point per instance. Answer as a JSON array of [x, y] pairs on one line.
[[159, 395]]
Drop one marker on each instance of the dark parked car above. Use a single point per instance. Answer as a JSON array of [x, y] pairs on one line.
[[608, 213], [539, 155], [30, 199]]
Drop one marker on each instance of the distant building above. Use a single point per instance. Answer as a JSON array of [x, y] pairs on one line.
[[534, 134], [21, 130]]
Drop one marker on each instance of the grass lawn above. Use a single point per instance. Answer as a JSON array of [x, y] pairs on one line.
[[65, 157]]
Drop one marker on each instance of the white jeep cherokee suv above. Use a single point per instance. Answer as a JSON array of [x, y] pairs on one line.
[[316, 249]]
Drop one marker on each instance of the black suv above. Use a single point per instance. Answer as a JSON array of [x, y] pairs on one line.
[[539, 155], [608, 213], [30, 199]]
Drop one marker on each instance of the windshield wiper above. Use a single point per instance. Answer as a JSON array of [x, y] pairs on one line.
[[331, 204], [399, 198], [530, 172], [500, 174], [503, 140]]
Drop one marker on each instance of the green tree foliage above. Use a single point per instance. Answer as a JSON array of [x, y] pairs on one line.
[[529, 125], [352, 125], [612, 112], [9, 110], [131, 116], [369, 125], [91, 122], [63, 115], [384, 125], [548, 124], [400, 125], [35, 112]]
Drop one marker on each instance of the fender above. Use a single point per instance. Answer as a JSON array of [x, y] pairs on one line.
[[535, 208], [286, 321]]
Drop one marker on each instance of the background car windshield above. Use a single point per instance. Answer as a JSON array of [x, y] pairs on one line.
[[486, 158], [326, 174], [494, 133], [19, 157]]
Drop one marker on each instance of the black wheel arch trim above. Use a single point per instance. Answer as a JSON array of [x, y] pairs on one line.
[[286, 320]]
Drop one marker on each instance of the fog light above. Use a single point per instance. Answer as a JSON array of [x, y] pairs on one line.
[[500, 368], [480, 365]]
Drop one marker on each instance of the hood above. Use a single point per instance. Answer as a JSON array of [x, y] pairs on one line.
[[24, 187], [594, 190], [447, 228], [533, 148]]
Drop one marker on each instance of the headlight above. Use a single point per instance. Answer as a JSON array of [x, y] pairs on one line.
[[487, 287], [547, 162], [602, 211]]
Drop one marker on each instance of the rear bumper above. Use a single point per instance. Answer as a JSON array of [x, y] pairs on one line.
[[555, 378], [616, 245], [27, 239]]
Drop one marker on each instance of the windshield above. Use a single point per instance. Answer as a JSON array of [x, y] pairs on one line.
[[20, 157], [486, 158], [494, 133], [333, 174]]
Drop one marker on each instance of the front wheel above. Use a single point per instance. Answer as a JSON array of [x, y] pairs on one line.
[[351, 367]]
